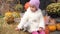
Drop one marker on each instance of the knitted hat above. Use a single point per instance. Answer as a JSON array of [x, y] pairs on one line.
[[35, 3]]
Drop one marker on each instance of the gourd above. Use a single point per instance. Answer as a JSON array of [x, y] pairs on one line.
[[26, 5], [52, 27]]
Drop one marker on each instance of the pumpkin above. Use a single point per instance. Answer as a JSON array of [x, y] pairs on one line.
[[16, 14], [26, 5], [46, 30], [52, 27], [58, 26]]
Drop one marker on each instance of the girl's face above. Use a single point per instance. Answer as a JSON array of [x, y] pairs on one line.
[[33, 8]]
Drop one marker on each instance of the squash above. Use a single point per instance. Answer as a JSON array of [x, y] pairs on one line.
[[52, 27], [26, 5], [58, 26]]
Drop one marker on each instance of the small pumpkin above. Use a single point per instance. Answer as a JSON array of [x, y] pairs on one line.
[[58, 26], [46, 30], [26, 5], [52, 27]]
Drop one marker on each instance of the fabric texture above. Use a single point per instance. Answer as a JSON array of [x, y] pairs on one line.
[[35, 32], [34, 20], [42, 32]]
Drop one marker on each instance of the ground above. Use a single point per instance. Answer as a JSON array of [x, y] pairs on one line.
[[10, 29], [56, 32]]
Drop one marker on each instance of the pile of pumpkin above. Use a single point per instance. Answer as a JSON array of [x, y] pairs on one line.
[[53, 27], [9, 16]]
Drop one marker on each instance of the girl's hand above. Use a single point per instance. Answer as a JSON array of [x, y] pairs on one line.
[[17, 29]]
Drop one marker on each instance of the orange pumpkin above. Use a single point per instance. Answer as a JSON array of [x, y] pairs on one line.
[[26, 5], [52, 27], [58, 26], [46, 30]]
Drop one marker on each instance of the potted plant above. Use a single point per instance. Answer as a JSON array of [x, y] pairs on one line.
[[19, 7], [53, 10]]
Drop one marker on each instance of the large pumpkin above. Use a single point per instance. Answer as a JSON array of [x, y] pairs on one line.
[[26, 5], [52, 27], [58, 26]]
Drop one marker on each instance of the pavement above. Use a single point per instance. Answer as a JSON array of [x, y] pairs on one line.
[[56, 32]]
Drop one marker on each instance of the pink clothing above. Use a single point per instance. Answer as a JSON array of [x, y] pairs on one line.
[[42, 32], [35, 32]]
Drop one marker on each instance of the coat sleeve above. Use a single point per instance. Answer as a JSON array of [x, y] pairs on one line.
[[23, 20], [41, 24]]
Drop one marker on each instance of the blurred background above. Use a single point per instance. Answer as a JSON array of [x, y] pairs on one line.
[[11, 12]]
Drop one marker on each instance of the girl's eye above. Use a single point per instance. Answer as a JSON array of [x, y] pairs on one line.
[[32, 6]]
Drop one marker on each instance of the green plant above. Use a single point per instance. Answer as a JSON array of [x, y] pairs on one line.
[[54, 9], [1, 16], [19, 7]]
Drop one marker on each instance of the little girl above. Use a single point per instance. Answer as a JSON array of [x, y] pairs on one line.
[[33, 19]]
